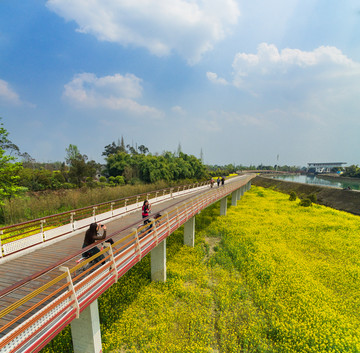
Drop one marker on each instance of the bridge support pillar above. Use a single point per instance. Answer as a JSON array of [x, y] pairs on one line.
[[234, 198], [158, 262], [189, 232], [238, 194], [223, 206], [85, 331]]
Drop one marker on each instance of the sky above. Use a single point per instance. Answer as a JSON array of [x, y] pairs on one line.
[[234, 81]]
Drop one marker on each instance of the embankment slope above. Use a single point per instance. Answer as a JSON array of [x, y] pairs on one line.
[[344, 200]]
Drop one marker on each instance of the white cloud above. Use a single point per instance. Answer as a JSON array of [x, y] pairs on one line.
[[230, 118], [270, 63], [213, 77], [8, 95], [178, 110], [111, 92], [189, 27]]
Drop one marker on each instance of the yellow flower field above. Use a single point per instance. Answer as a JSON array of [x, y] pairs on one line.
[[271, 276]]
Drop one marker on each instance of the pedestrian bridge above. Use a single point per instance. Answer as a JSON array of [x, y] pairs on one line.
[[42, 289]]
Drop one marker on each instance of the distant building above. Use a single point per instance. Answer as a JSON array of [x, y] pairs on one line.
[[323, 167]]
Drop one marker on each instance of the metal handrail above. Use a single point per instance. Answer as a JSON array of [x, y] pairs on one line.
[[40, 226], [41, 325]]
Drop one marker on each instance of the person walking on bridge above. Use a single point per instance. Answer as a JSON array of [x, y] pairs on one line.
[[146, 209], [218, 181]]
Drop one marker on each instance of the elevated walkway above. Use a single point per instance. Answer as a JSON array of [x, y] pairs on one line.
[[42, 292]]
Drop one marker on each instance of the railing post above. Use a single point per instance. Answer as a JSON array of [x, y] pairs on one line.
[[42, 229], [186, 210], [1, 250], [71, 289], [168, 223], [94, 213], [112, 260], [156, 234], [72, 214], [137, 241], [177, 217]]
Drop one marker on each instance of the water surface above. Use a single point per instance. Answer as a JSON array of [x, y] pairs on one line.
[[313, 179]]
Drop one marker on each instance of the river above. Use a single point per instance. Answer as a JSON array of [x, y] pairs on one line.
[[313, 179]]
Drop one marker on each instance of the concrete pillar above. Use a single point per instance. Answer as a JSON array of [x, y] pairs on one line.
[[85, 331], [234, 198], [238, 194], [158, 262], [223, 206], [189, 232]]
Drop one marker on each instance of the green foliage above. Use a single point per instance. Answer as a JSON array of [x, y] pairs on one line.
[[150, 168], [353, 171], [312, 198], [292, 196], [80, 168], [305, 202], [9, 171], [102, 179]]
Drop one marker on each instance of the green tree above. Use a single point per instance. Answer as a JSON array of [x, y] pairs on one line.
[[79, 167], [9, 170]]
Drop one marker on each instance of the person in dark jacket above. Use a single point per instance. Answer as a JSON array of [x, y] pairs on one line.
[[91, 235], [222, 181], [146, 210]]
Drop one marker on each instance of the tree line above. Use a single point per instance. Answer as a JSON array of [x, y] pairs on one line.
[[124, 164]]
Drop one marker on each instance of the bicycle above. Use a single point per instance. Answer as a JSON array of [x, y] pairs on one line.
[[144, 231], [91, 263]]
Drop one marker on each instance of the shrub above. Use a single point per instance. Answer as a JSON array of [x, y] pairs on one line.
[[292, 196], [305, 202], [312, 197]]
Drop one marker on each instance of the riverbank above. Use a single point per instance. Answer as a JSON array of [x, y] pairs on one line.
[[339, 178], [343, 200]]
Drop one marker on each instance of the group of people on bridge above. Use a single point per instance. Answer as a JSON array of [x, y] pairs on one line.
[[93, 233], [218, 181]]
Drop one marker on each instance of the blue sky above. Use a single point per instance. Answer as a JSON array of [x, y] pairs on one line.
[[241, 81]]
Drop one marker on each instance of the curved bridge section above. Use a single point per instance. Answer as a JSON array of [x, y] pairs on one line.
[[64, 292]]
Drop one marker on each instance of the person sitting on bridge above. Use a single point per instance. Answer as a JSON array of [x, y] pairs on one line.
[[146, 209], [91, 236]]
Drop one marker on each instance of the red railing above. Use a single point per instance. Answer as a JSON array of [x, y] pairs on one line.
[[18, 237]]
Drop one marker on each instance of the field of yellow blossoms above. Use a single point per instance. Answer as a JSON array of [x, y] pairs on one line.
[[271, 276]]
